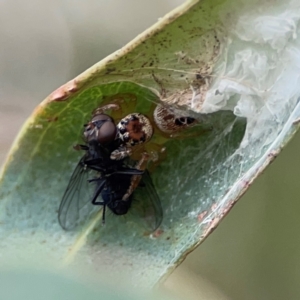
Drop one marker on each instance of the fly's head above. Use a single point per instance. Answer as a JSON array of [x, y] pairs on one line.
[[101, 129]]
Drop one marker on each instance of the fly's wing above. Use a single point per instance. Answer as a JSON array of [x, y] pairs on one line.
[[147, 201], [74, 208]]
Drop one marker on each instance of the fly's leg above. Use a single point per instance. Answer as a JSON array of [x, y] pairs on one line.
[[94, 200], [80, 147], [103, 214], [135, 180], [129, 171], [94, 179], [97, 193]]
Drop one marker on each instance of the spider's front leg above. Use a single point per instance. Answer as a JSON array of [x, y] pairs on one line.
[[121, 152], [102, 109]]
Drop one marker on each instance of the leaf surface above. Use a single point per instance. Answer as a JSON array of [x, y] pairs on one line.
[[202, 57]]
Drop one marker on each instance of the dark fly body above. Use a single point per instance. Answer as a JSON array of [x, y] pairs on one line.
[[103, 179]]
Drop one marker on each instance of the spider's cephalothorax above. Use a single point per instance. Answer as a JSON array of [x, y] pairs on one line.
[[134, 129], [169, 121]]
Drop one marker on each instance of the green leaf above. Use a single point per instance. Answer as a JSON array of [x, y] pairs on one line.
[[242, 87]]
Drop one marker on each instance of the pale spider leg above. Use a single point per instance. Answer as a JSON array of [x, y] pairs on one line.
[[102, 109], [141, 165], [121, 153], [193, 96]]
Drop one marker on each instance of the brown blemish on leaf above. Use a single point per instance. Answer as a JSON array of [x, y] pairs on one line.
[[157, 233], [214, 206], [38, 110], [63, 92], [201, 216], [212, 225], [110, 70], [52, 119]]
